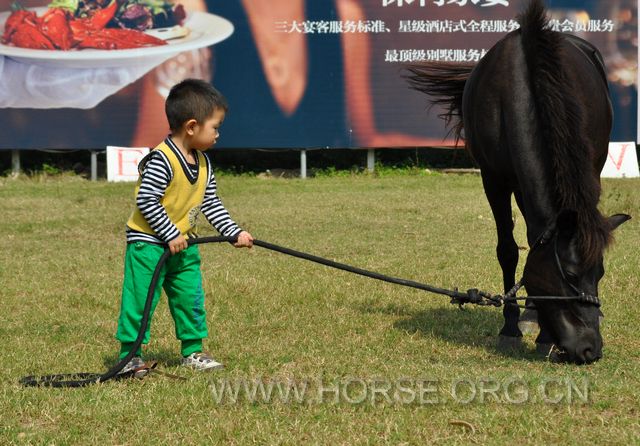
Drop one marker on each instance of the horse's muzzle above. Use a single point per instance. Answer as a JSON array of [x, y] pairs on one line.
[[585, 349]]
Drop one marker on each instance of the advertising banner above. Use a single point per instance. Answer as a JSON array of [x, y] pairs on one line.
[[297, 74]]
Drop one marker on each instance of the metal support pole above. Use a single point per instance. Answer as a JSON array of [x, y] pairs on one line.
[[371, 160], [303, 164], [94, 165], [15, 162]]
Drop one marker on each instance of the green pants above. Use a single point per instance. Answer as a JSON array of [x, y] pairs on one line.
[[182, 281]]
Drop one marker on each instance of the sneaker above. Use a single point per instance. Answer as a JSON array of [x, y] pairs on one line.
[[201, 361], [136, 367]]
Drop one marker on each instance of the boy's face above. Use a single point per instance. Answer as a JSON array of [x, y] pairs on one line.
[[205, 134]]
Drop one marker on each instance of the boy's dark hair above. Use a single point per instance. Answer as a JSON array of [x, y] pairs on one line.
[[192, 99]]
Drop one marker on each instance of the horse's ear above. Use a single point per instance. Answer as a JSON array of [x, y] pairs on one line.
[[566, 222], [617, 219]]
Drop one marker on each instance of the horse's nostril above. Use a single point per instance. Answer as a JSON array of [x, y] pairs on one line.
[[588, 356]]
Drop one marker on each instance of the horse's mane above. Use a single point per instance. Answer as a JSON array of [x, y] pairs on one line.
[[561, 124]]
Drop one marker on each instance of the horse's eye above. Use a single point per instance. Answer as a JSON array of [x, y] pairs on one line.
[[573, 277]]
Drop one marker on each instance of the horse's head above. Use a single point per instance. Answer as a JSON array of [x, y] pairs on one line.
[[556, 267]]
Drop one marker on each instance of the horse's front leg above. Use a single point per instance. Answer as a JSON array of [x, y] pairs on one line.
[[528, 322], [499, 196]]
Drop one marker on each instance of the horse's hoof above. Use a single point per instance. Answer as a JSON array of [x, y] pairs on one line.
[[528, 327], [528, 322], [543, 349], [509, 343]]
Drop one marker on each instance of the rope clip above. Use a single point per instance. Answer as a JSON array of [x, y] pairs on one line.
[[476, 297]]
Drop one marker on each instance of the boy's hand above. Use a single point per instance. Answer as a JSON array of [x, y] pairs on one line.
[[244, 240], [178, 244]]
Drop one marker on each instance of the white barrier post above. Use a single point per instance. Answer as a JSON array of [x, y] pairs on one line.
[[15, 162], [94, 165], [371, 160], [303, 164]]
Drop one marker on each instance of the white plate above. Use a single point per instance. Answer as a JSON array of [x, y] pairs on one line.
[[206, 29]]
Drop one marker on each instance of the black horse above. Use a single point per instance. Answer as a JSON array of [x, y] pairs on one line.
[[536, 117]]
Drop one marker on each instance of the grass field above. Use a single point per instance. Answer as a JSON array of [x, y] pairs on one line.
[[381, 363]]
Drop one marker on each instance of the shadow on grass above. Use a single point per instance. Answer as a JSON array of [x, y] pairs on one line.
[[475, 327]]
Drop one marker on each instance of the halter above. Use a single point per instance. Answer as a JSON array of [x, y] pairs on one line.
[[581, 296]]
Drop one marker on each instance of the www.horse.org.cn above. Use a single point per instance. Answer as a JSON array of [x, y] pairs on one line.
[[400, 391]]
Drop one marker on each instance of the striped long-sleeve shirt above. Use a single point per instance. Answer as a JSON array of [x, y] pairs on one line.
[[156, 175]]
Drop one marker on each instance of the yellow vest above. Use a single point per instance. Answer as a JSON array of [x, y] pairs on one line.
[[181, 200]]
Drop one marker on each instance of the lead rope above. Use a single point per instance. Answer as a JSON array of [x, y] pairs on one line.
[[471, 296]]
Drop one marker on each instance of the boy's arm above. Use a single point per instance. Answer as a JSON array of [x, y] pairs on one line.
[[156, 175], [215, 212]]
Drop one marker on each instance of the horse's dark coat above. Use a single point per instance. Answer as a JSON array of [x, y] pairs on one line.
[[536, 116]]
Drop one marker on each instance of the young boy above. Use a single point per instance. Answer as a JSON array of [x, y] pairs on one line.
[[176, 183]]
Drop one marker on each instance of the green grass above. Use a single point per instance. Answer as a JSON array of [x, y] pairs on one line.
[[274, 318]]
